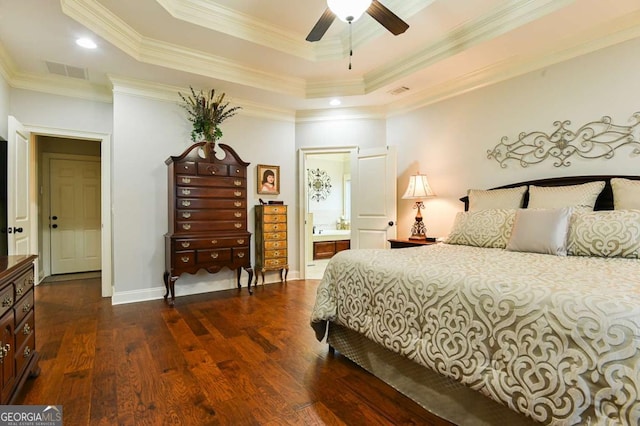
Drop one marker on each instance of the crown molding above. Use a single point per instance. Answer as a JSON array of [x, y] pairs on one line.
[[493, 24], [218, 18], [7, 66], [334, 114], [609, 34], [168, 93], [101, 21], [325, 89]]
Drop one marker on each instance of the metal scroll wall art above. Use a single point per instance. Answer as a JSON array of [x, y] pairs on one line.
[[319, 184], [597, 139]]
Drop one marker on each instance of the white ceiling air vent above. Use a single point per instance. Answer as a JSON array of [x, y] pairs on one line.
[[398, 90], [67, 70]]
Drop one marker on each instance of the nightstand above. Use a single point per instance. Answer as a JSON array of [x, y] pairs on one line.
[[403, 243]]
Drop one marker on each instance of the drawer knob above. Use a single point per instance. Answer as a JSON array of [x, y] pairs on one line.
[[237, 203], [237, 193], [214, 255], [237, 182], [237, 214], [8, 301], [186, 180], [238, 225], [27, 352], [19, 291], [240, 241], [241, 255], [26, 307], [186, 191], [26, 330], [186, 215], [186, 167], [275, 227], [186, 226], [214, 242], [186, 244], [186, 203], [184, 259]]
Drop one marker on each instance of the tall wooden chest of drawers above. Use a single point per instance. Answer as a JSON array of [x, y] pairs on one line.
[[207, 215], [271, 240], [18, 356]]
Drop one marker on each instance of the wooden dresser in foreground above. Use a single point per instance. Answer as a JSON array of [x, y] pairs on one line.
[[18, 357], [207, 215], [271, 240]]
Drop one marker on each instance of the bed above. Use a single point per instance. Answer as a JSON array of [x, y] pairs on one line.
[[533, 301]]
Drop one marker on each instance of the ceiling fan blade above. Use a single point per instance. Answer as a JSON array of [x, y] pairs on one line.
[[321, 26], [387, 18]]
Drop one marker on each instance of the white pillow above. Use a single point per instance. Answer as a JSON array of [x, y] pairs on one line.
[[540, 231], [482, 228], [582, 197], [626, 193], [507, 198], [605, 233]]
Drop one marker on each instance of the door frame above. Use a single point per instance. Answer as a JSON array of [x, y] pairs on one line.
[[303, 195], [105, 196], [46, 201]]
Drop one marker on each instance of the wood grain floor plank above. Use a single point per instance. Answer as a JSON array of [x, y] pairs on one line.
[[223, 358]]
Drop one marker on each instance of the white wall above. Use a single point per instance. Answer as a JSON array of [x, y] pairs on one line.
[[4, 107], [449, 140], [147, 132], [365, 133], [61, 112]]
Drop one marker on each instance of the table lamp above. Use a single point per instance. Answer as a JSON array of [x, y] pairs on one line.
[[418, 189]]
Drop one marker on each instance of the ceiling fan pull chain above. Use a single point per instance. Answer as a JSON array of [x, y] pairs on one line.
[[350, 45]]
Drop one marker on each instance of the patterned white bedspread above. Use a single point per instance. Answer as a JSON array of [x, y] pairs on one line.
[[555, 338]]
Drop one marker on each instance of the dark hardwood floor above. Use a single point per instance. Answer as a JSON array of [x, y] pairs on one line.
[[220, 358]]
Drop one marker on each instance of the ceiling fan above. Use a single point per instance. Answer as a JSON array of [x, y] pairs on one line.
[[350, 10]]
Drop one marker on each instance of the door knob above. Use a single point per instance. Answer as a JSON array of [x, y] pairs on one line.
[[54, 226], [14, 230], [54, 217], [390, 223]]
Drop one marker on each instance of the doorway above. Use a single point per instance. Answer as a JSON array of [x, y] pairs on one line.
[[67, 144], [325, 197], [69, 202]]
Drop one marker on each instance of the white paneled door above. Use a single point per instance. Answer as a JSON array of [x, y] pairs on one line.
[[373, 197], [18, 204], [75, 216]]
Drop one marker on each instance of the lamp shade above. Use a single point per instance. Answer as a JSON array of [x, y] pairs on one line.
[[348, 10], [418, 188]]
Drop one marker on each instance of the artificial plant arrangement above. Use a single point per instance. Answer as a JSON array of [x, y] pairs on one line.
[[207, 111]]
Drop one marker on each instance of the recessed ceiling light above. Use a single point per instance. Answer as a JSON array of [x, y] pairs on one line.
[[335, 102], [87, 43]]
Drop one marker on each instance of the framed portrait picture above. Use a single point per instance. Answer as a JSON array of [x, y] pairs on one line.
[[268, 179]]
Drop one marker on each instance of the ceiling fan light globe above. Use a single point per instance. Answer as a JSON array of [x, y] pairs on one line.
[[348, 10]]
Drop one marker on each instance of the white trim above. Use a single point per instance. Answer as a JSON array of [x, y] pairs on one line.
[[105, 178]]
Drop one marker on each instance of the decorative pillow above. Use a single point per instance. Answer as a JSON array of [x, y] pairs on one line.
[[606, 233], [507, 198], [482, 228], [626, 193], [540, 231], [581, 197]]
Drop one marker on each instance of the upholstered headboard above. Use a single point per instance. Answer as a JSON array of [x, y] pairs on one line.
[[604, 201]]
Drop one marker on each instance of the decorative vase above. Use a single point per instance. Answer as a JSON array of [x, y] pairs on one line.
[[209, 149]]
